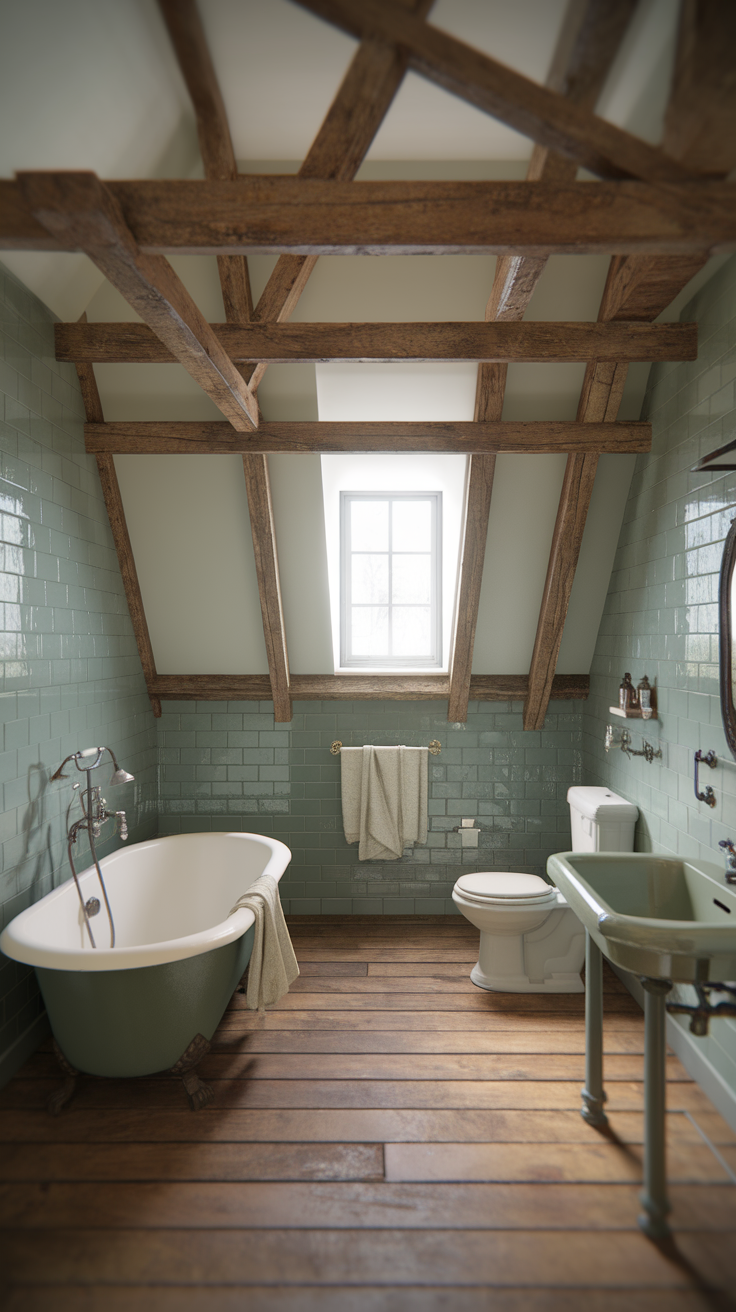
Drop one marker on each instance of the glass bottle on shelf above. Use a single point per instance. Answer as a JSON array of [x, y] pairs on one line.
[[627, 695], [644, 693]]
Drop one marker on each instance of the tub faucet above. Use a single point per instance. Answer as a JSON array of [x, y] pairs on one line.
[[94, 815]]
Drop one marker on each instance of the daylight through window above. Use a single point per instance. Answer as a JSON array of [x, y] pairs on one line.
[[391, 602]]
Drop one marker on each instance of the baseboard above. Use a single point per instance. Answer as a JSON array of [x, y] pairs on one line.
[[23, 1048], [690, 1052]]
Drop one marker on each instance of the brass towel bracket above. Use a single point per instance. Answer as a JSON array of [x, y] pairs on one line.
[[435, 747]]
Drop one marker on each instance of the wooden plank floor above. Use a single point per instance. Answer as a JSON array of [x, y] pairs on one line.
[[388, 1138]]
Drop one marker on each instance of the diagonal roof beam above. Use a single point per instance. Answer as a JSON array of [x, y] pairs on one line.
[[79, 209], [538, 112], [188, 38], [120, 535], [591, 35], [701, 116], [215, 144], [355, 115]]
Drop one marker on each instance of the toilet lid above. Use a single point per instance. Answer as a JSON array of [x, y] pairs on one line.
[[505, 885]]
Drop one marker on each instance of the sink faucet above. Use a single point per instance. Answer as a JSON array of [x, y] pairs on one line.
[[729, 852]]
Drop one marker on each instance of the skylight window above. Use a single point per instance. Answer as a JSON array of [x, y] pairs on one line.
[[391, 548]]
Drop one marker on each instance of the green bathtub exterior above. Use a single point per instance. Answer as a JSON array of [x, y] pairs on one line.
[[140, 1021]]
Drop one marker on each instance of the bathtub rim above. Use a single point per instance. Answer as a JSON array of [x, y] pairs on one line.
[[16, 943]]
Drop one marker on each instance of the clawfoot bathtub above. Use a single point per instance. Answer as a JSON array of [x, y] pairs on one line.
[[153, 1002]]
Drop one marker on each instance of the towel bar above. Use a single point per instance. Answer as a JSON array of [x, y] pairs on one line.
[[435, 747]]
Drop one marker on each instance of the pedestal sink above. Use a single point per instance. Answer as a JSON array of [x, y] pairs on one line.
[[667, 921]]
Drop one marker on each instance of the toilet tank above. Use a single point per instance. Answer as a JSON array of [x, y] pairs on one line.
[[601, 820]]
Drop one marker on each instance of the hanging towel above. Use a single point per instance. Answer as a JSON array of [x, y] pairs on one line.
[[384, 799], [273, 966]]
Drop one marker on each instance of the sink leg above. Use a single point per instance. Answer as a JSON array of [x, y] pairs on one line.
[[593, 1095], [654, 1200]]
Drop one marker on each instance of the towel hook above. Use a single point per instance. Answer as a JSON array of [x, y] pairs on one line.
[[435, 747]]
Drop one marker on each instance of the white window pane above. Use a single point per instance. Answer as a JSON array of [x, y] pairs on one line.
[[369, 631], [411, 631], [412, 525], [369, 580], [369, 525], [411, 580]]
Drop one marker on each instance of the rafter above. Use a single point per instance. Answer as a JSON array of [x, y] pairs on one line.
[[187, 34], [588, 43], [126, 343], [538, 112], [120, 535], [200, 437], [78, 208], [310, 217]]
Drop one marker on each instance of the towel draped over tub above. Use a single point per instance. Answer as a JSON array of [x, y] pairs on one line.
[[273, 966], [384, 799]]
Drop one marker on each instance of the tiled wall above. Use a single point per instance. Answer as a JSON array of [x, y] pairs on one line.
[[661, 616], [71, 676], [229, 767]]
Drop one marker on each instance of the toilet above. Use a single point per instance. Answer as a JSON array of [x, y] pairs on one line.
[[530, 939]]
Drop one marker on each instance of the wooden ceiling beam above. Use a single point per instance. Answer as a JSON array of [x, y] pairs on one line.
[[701, 116], [202, 437], [78, 208], [359, 687], [310, 217], [188, 38], [547, 117], [591, 34], [215, 143], [284, 343], [120, 535]]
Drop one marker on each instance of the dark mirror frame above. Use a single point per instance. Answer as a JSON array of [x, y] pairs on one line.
[[726, 646]]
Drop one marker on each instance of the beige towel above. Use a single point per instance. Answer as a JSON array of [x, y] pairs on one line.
[[384, 799], [273, 966]]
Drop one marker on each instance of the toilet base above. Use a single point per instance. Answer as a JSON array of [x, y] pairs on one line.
[[563, 983]]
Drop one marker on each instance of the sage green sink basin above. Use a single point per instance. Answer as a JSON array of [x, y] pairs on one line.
[[653, 915]]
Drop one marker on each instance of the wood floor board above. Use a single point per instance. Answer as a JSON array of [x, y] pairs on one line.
[[344, 968], [350, 1298], [456, 985], [617, 1259], [479, 1001], [426, 1022], [601, 1163], [317, 1125], [544, 1064], [328, 1094], [466, 1041], [228, 1204]]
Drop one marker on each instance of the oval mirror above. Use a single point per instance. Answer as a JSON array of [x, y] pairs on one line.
[[727, 623]]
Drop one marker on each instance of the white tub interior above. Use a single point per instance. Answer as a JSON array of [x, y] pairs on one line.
[[170, 899]]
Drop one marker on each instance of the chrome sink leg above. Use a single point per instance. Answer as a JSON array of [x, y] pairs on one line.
[[593, 1095], [655, 1204]]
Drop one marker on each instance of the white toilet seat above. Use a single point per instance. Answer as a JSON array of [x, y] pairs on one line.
[[506, 889]]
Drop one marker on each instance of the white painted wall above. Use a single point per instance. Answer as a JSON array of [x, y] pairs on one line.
[[190, 532]]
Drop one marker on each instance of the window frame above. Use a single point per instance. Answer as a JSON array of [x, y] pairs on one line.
[[390, 662]]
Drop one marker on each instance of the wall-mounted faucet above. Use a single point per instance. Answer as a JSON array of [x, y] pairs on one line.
[[729, 851], [624, 742]]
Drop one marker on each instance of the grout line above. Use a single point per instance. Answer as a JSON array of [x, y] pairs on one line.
[[721, 1160]]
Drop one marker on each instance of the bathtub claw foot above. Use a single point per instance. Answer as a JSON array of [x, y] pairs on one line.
[[61, 1096], [198, 1092]]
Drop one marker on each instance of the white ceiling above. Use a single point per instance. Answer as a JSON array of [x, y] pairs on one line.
[[93, 84]]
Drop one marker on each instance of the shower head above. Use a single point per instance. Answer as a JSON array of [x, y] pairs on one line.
[[121, 777]]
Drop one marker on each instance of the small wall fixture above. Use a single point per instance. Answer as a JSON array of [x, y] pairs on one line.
[[710, 759]]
